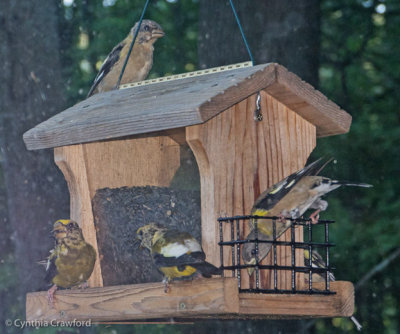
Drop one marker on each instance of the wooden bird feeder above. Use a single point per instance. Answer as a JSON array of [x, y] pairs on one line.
[[135, 137]]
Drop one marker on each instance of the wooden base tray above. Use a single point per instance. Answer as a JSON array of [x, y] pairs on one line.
[[199, 299]]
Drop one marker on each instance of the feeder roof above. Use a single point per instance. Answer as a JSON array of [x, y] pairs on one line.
[[184, 102]]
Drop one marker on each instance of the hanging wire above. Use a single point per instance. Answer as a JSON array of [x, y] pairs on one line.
[[257, 112], [242, 32], [133, 42], [137, 31]]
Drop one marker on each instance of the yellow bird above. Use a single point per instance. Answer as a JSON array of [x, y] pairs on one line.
[[318, 262], [72, 260], [289, 198], [175, 253], [139, 63]]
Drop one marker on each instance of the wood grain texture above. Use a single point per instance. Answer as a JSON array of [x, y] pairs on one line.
[[340, 304], [130, 162], [140, 301], [308, 102], [238, 159], [71, 161], [181, 103], [216, 298]]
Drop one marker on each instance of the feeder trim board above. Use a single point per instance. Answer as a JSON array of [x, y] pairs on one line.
[[187, 75], [202, 299]]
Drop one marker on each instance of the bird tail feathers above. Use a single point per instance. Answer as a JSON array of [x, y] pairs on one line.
[[207, 269], [353, 184]]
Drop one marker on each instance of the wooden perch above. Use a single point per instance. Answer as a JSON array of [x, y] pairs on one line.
[[217, 297], [140, 301]]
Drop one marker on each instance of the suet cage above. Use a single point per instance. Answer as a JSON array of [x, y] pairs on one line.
[[271, 275], [137, 137]]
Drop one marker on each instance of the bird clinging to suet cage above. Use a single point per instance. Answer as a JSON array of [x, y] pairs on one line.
[[289, 198]]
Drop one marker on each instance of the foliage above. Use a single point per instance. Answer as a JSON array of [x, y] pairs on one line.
[[91, 29], [360, 71]]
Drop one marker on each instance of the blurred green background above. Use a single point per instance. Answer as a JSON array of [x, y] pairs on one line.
[[358, 68]]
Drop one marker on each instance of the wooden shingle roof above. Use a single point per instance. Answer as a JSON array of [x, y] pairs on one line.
[[184, 102]]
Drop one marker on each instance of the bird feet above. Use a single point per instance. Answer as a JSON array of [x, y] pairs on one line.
[[83, 286], [197, 276], [50, 295], [282, 218], [166, 285], [315, 216]]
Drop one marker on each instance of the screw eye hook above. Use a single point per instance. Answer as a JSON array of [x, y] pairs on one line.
[[257, 112]]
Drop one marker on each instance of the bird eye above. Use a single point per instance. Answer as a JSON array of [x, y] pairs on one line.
[[316, 184], [146, 28], [253, 252], [70, 225]]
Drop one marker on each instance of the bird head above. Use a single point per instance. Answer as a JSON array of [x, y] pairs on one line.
[[74, 231], [146, 233], [249, 256], [322, 185], [66, 228], [59, 231], [149, 31]]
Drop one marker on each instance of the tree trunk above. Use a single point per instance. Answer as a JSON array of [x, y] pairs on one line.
[[31, 91], [282, 31]]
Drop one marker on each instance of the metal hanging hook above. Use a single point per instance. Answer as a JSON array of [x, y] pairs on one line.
[[257, 113]]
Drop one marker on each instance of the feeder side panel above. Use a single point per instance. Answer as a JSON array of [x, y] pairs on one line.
[[239, 158], [71, 161], [113, 164]]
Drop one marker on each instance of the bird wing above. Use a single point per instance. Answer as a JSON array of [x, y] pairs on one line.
[[177, 248], [183, 260], [180, 249], [51, 268], [111, 59], [269, 198]]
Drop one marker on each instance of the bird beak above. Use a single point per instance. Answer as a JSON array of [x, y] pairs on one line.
[[59, 231], [137, 243], [157, 33], [250, 270]]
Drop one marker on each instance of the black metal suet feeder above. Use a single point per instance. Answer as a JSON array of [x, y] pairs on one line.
[[300, 268]]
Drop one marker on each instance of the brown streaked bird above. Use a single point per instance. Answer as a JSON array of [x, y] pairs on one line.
[[289, 198], [72, 260], [139, 63]]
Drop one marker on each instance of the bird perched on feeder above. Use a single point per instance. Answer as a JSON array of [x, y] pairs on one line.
[[175, 253], [289, 198], [318, 262], [71, 262], [139, 63]]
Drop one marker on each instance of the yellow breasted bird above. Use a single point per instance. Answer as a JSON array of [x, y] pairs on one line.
[[71, 261], [175, 253], [289, 198], [139, 63], [318, 262]]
